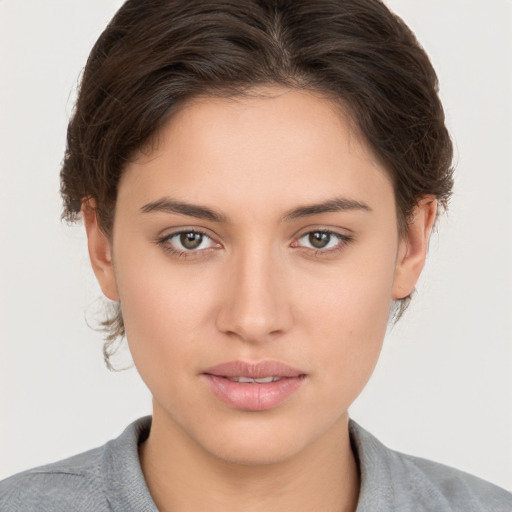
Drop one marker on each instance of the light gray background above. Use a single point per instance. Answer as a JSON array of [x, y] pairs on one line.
[[443, 387]]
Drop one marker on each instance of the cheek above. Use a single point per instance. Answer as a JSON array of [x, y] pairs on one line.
[[355, 296], [166, 313], [348, 318]]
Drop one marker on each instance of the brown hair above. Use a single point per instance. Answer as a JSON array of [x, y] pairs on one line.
[[154, 56]]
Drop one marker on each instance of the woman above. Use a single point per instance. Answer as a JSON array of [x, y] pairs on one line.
[[258, 182]]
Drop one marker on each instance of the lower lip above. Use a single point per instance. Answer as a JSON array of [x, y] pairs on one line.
[[253, 396]]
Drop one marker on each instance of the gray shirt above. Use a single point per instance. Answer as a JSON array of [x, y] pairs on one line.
[[110, 479]]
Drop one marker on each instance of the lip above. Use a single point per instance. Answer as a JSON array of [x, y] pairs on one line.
[[253, 396]]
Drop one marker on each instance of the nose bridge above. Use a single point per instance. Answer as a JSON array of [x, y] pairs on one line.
[[255, 307]]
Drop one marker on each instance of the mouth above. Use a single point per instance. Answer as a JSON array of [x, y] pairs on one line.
[[250, 380], [254, 371], [254, 387]]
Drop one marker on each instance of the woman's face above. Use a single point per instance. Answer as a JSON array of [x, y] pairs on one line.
[[258, 239]]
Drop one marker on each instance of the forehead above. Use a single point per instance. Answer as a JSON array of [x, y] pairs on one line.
[[277, 145]]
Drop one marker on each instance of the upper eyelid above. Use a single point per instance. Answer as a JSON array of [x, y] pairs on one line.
[[338, 231], [180, 231], [164, 241], [342, 237], [321, 230], [169, 233], [343, 240]]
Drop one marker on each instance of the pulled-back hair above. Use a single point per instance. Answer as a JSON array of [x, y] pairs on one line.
[[156, 55]]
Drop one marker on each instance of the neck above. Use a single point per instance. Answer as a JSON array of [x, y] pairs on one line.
[[182, 476]]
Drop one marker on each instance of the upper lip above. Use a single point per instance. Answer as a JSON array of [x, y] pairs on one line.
[[258, 370]]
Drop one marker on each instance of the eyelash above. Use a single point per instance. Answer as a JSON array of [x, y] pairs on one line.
[[343, 241], [165, 242]]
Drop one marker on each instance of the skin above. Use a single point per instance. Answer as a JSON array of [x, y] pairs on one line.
[[255, 290]]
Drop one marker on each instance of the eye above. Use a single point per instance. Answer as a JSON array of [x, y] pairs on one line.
[[187, 241], [323, 240]]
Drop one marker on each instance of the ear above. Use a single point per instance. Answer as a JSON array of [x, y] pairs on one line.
[[100, 251], [413, 247]]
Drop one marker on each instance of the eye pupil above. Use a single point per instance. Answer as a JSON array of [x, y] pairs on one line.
[[318, 239], [191, 240]]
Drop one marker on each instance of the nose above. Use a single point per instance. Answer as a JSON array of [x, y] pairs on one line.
[[254, 306]]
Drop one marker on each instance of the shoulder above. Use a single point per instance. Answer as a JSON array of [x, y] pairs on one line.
[[71, 484], [456, 489], [405, 482], [108, 478]]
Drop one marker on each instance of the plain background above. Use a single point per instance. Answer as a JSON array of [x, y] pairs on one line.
[[443, 387]]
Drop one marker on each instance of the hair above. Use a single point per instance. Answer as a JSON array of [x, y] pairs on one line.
[[155, 56]]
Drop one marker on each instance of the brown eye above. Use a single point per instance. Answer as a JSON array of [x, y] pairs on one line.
[[191, 240], [187, 242], [323, 241], [319, 239]]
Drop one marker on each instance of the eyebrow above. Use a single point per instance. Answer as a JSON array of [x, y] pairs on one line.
[[333, 205], [168, 205]]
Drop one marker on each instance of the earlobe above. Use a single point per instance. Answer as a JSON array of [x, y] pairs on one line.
[[413, 248], [100, 251]]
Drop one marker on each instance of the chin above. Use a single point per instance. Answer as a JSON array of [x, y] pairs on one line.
[[253, 442], [251, 453]]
